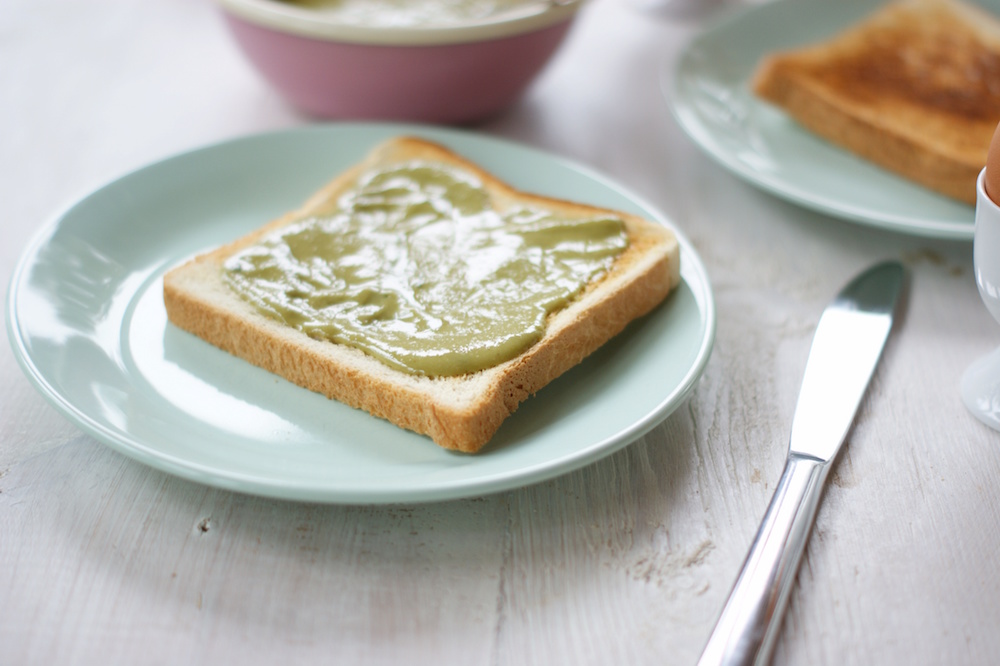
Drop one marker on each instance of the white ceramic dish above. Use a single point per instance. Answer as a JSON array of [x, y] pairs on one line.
[[980, 385], [709, 95], [86, 321]]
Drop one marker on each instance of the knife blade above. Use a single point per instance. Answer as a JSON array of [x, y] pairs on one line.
[[846, 348]]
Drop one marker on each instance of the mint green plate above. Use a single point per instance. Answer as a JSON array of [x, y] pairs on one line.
[[87, 323], [708, 92]]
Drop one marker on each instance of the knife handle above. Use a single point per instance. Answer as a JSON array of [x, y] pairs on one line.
[[747, 629]]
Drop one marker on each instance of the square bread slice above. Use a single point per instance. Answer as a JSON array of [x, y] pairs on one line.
[[913, 87], [457, 412]]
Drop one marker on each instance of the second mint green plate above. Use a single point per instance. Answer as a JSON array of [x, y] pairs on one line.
[[708, 92]]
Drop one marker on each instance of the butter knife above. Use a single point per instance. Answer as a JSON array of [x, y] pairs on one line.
[[845, 350]]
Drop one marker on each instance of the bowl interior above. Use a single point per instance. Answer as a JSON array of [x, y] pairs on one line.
[[403, 22]]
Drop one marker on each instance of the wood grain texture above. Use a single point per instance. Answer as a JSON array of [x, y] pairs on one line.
[[626, 561]]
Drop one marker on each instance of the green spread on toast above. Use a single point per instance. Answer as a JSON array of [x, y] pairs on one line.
[[419, 269]]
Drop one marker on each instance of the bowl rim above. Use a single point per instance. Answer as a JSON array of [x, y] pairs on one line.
[[302, 21]]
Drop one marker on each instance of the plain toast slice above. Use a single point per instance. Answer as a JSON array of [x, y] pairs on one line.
[[914, 88], [457, 412]]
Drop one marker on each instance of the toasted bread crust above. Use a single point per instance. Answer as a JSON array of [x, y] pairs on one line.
[[461, 412], [912, 88]]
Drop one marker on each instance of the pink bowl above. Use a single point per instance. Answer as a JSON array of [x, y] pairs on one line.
[[435, 76]]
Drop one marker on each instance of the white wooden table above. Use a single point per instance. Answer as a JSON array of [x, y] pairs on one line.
[[629, 560]]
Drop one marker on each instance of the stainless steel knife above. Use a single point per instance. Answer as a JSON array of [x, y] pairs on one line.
[[845, 350]]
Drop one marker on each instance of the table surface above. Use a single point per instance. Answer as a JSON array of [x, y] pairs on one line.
[[627, 560]]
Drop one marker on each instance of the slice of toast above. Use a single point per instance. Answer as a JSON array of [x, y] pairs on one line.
[[457, 412], [914, 88]]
